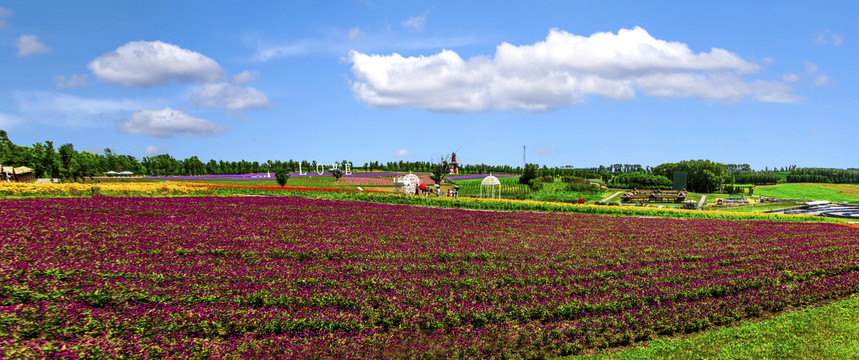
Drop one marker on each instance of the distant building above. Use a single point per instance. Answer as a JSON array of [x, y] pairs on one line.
[[21, 174], [454, 165]]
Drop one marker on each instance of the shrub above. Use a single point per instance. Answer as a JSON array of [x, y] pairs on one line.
[[547, 179], [535, 184], [281, 176], [583, 187]]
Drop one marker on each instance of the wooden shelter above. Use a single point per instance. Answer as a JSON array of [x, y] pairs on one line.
[[675, 196], [17, 174]]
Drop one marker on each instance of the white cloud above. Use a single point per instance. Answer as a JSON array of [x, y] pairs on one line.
[[245, 77], [415, 23], [827, 37], [790, 77], [811, 68], [73, 81], [339, 43], [822, 80], [167, 122], [543, 150], [148, 63], [403, 153], [30, 45], [69, 110], [561, 71], [153, 150], [356, 33], [721, 86], [229, 96], [4, 13], [8, 121]]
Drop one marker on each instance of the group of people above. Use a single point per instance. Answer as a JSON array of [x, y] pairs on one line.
[[424, 190]]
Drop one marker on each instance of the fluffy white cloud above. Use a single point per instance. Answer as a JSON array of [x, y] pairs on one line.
[[561, 71], [722, 86], [30, 45], [230, 96], [415, 23], [167, 122], [148, 63], [403, 153], [72, 81], [153, 150]]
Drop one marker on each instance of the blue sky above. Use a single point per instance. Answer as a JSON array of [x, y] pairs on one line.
[[578, 83]]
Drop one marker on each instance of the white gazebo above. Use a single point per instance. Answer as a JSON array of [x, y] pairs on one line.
[[406, 184], [491, 183]]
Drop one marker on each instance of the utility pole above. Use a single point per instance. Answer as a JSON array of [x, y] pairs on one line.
[[523, 157]]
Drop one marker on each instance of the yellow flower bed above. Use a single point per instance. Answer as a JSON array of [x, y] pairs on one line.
[[546, 206], [75, 189]]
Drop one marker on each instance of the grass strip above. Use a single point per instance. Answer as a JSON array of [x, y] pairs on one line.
[[828, 332]]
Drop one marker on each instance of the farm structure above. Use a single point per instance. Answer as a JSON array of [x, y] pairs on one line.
[[676, 196], [18, 174], [406, 184]]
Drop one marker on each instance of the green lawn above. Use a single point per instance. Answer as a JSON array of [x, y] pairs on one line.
[[828, 192], [761, 207], [827, 332]]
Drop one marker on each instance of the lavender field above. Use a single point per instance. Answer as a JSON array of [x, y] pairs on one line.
[[293, 277]]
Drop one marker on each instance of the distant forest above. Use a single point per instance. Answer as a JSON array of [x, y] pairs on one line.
[[68, 163]]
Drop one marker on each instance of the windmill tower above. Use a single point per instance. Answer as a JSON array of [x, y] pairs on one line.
[[454, 164]]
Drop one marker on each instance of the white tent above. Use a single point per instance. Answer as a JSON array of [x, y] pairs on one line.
[[111, 173], [492, 183]]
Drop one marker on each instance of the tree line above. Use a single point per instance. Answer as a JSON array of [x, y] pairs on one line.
[[821, 175]]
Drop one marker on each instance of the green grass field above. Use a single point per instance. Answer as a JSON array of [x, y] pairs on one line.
[[828, 192], [761, 207], [827, 332]]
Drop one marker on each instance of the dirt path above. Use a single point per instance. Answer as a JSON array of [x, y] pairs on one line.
[[606, 199]]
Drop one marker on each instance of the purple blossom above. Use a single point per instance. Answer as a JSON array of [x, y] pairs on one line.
[[286, 277]]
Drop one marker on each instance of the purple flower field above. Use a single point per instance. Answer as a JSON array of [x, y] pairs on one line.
[[286, 277], [478, 176], [266, 176]]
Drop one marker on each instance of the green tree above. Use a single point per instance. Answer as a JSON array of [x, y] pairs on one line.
[[529, 173], [337, 174], [281, 176], [74, 169], [440, 170]]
